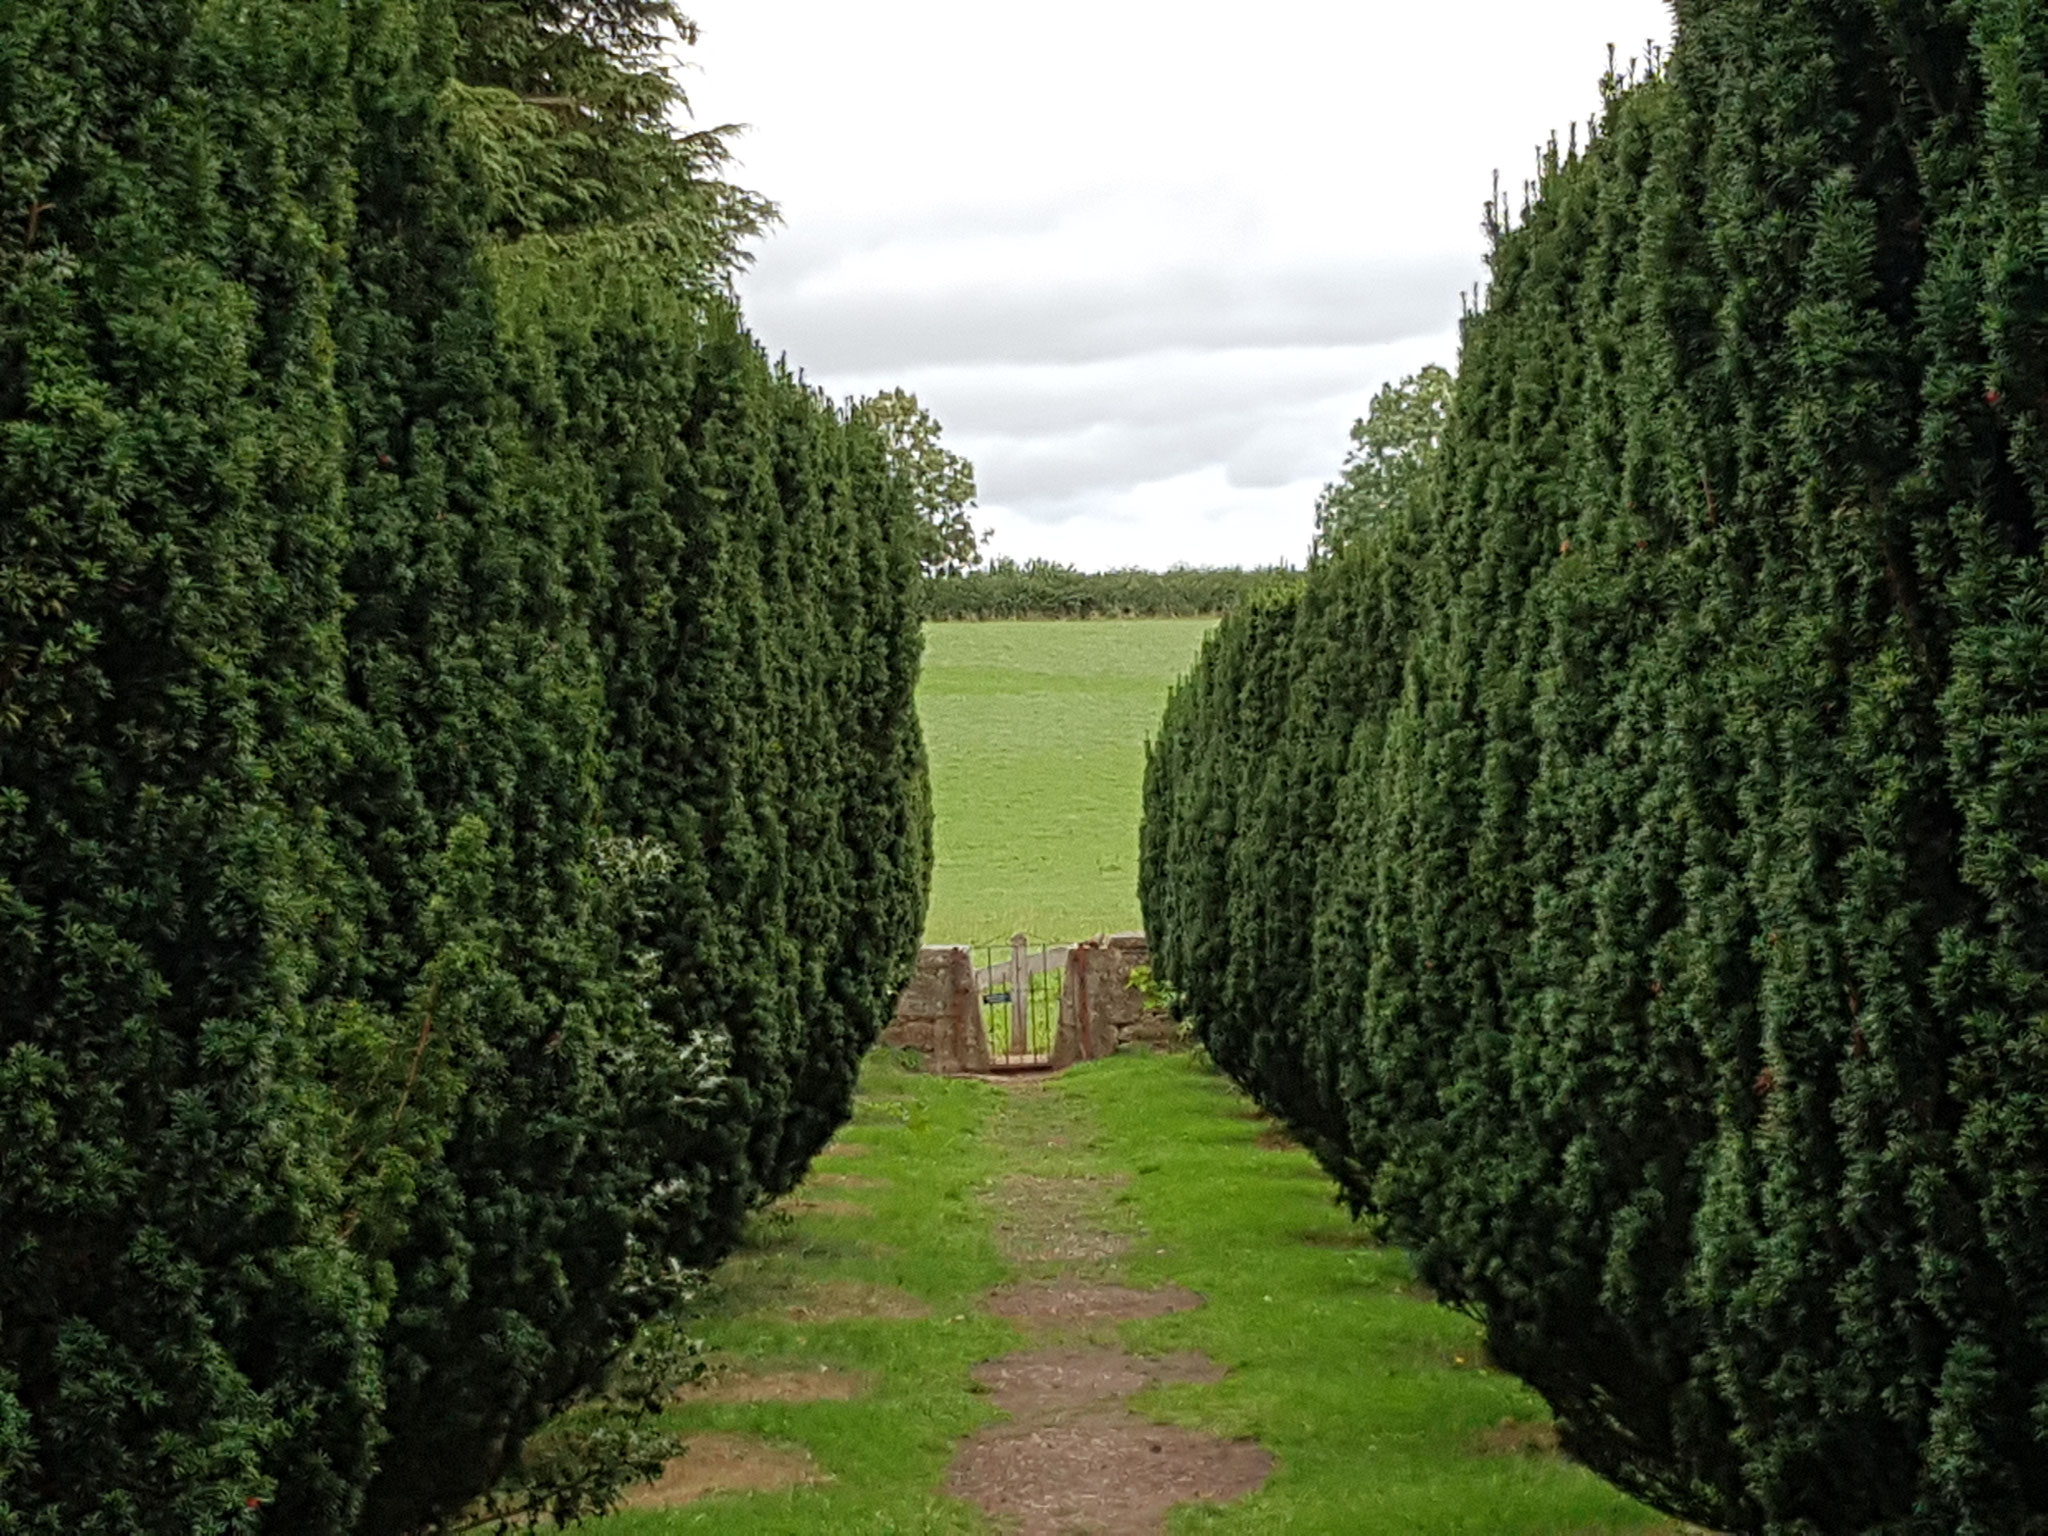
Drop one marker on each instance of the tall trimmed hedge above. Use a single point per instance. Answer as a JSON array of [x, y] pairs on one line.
[[1622, 868], [183, 1322], [462, 815]]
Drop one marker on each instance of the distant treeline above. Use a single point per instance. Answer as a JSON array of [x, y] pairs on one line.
[[1045, 589]]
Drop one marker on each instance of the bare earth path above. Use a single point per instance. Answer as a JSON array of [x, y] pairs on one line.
[[1074, 1455]]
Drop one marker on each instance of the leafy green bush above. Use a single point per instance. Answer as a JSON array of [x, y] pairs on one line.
[[1615, 867]]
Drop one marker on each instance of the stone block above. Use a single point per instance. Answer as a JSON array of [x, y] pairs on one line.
[[1099, 1008], [939, 1014]]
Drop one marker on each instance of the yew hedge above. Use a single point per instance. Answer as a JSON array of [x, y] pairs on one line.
[[462, 814], [1623, 866]]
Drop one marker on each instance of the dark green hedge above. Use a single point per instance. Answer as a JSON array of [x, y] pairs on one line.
[[462, 816], [1045, 589], [1624, 869], [183, 1323]]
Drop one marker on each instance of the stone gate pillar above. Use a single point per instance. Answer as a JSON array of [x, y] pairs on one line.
[[1099, 1008], [939, 1014]]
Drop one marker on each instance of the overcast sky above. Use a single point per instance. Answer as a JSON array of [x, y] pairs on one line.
[[1145, 262]]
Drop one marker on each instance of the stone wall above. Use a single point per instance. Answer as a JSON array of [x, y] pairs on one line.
[[1100, 1010], [939, 1014]]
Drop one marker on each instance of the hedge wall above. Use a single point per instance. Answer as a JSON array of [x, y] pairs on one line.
[[462, 815], [1622, 869], [1045, 589]]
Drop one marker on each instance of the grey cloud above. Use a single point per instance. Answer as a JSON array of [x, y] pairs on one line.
[[1061, 320], [1052, 511], [1256, 449], [1113, 456], [1159, 388], [1280, 452], [1069, 389], [1265, 418], [1207, 506]]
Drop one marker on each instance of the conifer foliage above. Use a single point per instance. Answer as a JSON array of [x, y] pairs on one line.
[[462, 815], [1621, 865]]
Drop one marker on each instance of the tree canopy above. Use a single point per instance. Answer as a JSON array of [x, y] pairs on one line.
[[939, 481], [1394, 449]]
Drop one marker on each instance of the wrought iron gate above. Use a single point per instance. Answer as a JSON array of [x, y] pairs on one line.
[[1020, 999]]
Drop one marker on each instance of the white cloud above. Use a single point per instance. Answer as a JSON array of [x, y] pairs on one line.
[[1056, 445], [1196, 518], [1146, 262], [1161, 388], [849, 326]]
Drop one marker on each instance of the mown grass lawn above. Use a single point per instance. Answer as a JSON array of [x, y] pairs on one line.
[[1036, 731], [1376, 1404]]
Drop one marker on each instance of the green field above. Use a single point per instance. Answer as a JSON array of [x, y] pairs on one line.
[[1037, 738]]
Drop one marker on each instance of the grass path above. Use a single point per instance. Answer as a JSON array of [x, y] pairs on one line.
[[1375, 1405]]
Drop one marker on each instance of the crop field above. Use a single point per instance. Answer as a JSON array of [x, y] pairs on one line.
[[1037, 732]]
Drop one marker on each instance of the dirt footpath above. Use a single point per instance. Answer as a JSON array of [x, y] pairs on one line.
[[1074, 1455], [1114, 1303]]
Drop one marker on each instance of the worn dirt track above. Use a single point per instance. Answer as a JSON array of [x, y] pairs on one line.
[[1073, 1455]]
